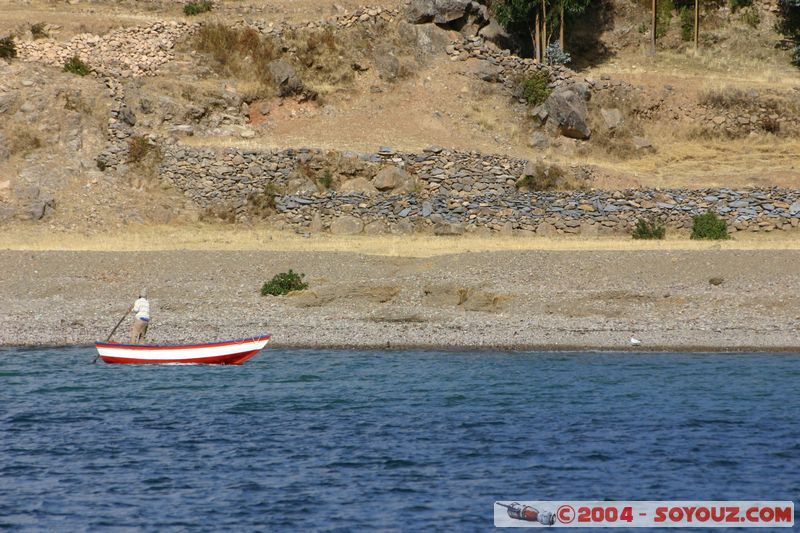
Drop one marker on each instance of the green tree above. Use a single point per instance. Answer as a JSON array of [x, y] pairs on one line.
[[538, 18]]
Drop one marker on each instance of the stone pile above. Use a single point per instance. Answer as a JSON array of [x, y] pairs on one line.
[[123, 53], [741, 122], [509, 68], [458, 192], [363, 15]]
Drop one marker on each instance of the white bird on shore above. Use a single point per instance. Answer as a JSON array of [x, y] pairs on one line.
[[635, 341]]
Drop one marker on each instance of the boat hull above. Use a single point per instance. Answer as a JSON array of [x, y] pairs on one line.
[[219, 353]]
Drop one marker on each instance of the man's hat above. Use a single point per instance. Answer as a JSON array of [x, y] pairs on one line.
[[143, 293]]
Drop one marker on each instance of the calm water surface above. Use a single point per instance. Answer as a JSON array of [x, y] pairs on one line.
[[406, 441]]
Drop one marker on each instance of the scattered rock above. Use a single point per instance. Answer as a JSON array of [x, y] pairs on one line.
[[716, 281], [641, 144]]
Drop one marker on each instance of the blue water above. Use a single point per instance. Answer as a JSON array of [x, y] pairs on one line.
[[396, 441]]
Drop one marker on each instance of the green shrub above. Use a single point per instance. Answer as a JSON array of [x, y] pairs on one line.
[[284, 283], [663, 17], [649, 229], [197, 7], [738, 4], [796, 56], [326, 180], [8, 48], [751, 17], [536, 87], [76, 66], [687, 23], [709, 226], [38, 31]]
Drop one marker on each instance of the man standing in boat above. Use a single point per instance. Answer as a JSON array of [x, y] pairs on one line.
[[142, 319]]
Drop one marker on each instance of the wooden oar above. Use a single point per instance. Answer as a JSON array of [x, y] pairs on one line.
[[112, 332]]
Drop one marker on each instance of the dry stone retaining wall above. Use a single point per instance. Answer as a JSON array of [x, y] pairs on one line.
[[457, 192]]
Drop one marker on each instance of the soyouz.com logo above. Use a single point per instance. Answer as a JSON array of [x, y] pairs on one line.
[[683, 514]]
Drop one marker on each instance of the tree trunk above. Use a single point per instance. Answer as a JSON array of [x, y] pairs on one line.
[[537, 52], [653, 33], [561, 28], [696, 24], [545, 40]]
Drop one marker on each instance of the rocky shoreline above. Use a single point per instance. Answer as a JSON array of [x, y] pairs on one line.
[[708, 300]]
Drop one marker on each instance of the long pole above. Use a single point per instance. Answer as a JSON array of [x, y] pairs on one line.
[[696, 24], [112, 333]]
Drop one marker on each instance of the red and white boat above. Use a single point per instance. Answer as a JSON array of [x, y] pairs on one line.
[[215, 353]]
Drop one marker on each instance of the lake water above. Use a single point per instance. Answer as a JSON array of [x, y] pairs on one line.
[[300, 440]]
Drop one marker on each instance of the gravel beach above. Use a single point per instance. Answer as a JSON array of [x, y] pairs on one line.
[[514, 299]]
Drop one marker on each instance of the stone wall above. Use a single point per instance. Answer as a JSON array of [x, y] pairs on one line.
[[456, 192]]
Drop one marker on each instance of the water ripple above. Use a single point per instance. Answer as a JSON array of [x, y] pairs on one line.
[[393, 441]]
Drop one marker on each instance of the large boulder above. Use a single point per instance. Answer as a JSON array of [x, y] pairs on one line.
[[420, 11], [393, 179], [495, 33], [567, 109], [285, 78], [358, 185], [300, 184], [448, 11], [484, 70], [347, 225], [445, 12]]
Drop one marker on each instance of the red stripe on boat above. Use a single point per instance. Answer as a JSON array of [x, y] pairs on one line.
[[228, 359], [179, 346]]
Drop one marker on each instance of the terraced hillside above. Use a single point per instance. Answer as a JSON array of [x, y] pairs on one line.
[[254, 110]]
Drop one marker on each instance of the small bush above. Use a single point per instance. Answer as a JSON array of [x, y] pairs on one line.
[[326, 180], [796, 56], [687, 23], [138, 148], [23, 140], [751, 17], [237, 51], [739, 4], [556, 56], [536, 88], [284, 283], [8, 48], [262, 204], [76, 66], [649, 229], [725, 98], [709, 226], [38, 31], [198, 6], [770, 125]]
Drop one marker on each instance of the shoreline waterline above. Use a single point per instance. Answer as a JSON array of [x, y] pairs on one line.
[[479, 349]]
